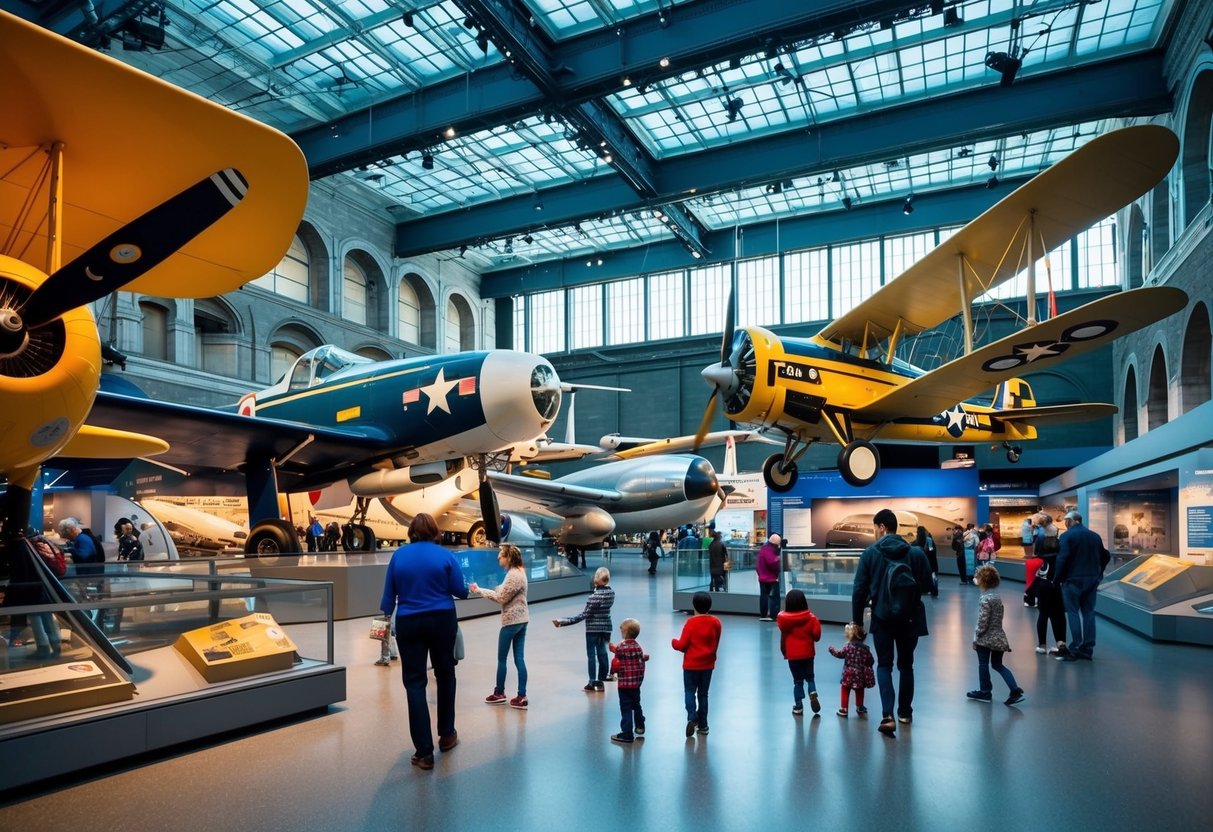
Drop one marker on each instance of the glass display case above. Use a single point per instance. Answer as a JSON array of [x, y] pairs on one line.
[[1162, 597]]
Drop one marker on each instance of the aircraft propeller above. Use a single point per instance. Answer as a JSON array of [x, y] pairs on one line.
[[120, 258], [721, 376]]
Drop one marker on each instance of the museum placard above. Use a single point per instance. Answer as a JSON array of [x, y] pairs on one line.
[[238, 648]]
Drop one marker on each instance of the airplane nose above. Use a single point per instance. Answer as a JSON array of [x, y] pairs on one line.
[[700, 480], [719, 376], [520, 394]]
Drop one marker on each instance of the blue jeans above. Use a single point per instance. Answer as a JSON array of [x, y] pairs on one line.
[[596, 656], [1079, 597], [987, 657], [432, 635], [695, 685], [884, 642], [802, 672], [629, 711], [514, 634], [768, 599]]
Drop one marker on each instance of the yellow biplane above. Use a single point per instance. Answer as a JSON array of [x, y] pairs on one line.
[[846, 384], [140, 186]]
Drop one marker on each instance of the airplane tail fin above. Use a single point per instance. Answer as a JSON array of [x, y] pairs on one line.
[[1013, 394]]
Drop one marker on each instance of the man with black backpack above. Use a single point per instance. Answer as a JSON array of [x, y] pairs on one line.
[[893, 576]]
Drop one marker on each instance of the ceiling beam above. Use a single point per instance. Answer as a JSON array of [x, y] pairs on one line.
[[1130, 86]]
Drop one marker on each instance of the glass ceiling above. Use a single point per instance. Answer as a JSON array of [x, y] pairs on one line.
[[298, 63]]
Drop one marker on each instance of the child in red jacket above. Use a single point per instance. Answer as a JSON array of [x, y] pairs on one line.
[[799, 631], [699, 640]]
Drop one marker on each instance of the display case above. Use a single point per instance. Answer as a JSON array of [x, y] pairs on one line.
[[825, 576], [1160, 596], [118, 686]]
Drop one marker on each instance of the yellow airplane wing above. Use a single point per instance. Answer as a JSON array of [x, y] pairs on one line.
[[1057, 339], [1081, 189], [120, 159], [1056, 414], [92, 442]]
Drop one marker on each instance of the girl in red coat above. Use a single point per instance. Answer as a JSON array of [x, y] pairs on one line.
[[799, 631], [856, 669]]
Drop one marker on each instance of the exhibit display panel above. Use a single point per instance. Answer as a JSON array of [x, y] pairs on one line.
[[125, 623], [1162, 597], [825, 576]]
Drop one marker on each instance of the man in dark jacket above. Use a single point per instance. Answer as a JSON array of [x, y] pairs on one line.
[[717, 555], [887, 634], [1081, 559]]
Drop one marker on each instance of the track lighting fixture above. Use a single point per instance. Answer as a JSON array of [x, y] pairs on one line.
[[907, 207], [427, 161], [733, 107], [992, 182], [846, 203], [993, 163]]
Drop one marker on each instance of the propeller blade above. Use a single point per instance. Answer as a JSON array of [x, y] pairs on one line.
[[136, 248], [706, 423], [488, 511], [730, 323]]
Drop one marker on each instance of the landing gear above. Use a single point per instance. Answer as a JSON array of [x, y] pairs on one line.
[[270, 538], [1013, 452], [356, 537], [477, 538], [779, 476], [858, 462]]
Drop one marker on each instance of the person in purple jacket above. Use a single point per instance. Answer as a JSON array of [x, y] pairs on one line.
[[768, 568], [422, 581]]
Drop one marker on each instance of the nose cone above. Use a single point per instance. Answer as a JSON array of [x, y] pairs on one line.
[[520, 394], [700, 480], [719, 376]]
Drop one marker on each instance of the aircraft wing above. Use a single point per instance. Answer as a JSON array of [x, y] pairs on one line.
[[550, 493], [1081, 189], [1056, 414], [677, 444], [212, 442], [550, 451], [1042, 345]]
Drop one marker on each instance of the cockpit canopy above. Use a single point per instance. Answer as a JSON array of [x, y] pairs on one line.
[[319, 364]]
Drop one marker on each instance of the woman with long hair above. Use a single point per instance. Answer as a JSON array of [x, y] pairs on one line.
[[514, 618]]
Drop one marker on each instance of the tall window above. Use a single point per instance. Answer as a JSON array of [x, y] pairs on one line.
[[625, 311], [155, 331], [856, 274], [547, 322], [282, 358], [1097, 256], [709, 296], [408, 310], [666, 306], [460, 327], [758, 298], [353, 306], [290, 277], [1156, 403], [585, 317], [806, 279], [1128, 408], [904, 251], [520, 323]]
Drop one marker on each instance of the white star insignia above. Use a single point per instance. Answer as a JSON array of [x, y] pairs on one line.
[[437, 391], [1035, 351], [956, 419]]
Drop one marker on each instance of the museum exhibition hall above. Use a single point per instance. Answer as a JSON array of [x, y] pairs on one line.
[[606, 281]]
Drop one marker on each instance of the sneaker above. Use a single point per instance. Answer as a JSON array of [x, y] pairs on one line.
[[814, 703], [905, 720], [690, 728], [382, 663], [703, 730], [980, 695], [765, 618], [842, 712], [1067, 656], [1043, 649], [620, 738], [590, 687], [888, 726], [599, 687], [797, 710], [861, 711], [640, 729], [613, 677], [495, 699], [1015, 698], [519, 702]]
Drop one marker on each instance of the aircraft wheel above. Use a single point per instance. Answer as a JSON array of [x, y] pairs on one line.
[[270, 538], [358, 538], [1013, 453], [779, 478], [477, 538], [859, 462]]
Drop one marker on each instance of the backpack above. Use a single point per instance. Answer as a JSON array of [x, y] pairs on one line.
[[1050, 545], [985, 549], [897, 600], [96, 542]]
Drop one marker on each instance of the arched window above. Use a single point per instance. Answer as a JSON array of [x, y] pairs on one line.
[[1156, 401], [1128, 405], [1195, 157], [282, 358], [290, 277], [1194, 366], [1134, 263], [353, 306], [374, 353], [460, 330], [409, 313], [214, 344], [1160, 222], [155, 331]]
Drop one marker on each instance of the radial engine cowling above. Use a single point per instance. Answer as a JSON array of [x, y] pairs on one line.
[[585, 528]]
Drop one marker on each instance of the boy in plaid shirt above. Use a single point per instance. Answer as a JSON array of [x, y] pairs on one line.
[[629, 665]]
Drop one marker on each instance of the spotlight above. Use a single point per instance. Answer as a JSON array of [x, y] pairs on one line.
[[775, 188], [469, 22], [427, 161], [528, 239], [538, 203], [992, 182], [663, 20], [734, 63], [449, 132], [993, 163], [1005, 65], [408, 19], [463, 250], [907, 207], [734, 106], [482, 40], [846, 203], [599, 261], [664, 63], [951, 17], [696, 254]]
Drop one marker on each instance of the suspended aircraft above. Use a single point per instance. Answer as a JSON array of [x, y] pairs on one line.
[[846, 383], [141, 186]]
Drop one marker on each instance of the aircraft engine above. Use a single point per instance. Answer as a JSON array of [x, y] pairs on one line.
[[585, 529], [404, 480], [48, 378], [747, 399]]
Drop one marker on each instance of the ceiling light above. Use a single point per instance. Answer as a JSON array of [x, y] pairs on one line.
[[734, 106], [468, 22], [1004, 64], [775, 188], [664, 63], [599, 261], [449, 132], [663, 20], [992, 182], [427, 161], [482, 40], [696, 254], [538, 203], [528, 239], [907, 207], [589, 263], [627, 82], [993, 163], [407, 18]]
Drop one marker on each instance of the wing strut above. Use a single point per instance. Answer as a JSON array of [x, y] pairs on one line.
[[966, 303], [1031, 292]]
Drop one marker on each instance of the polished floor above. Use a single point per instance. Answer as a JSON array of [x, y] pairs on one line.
[[1124, 742]]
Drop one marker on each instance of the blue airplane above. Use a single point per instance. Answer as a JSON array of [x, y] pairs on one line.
[[382, 426]]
